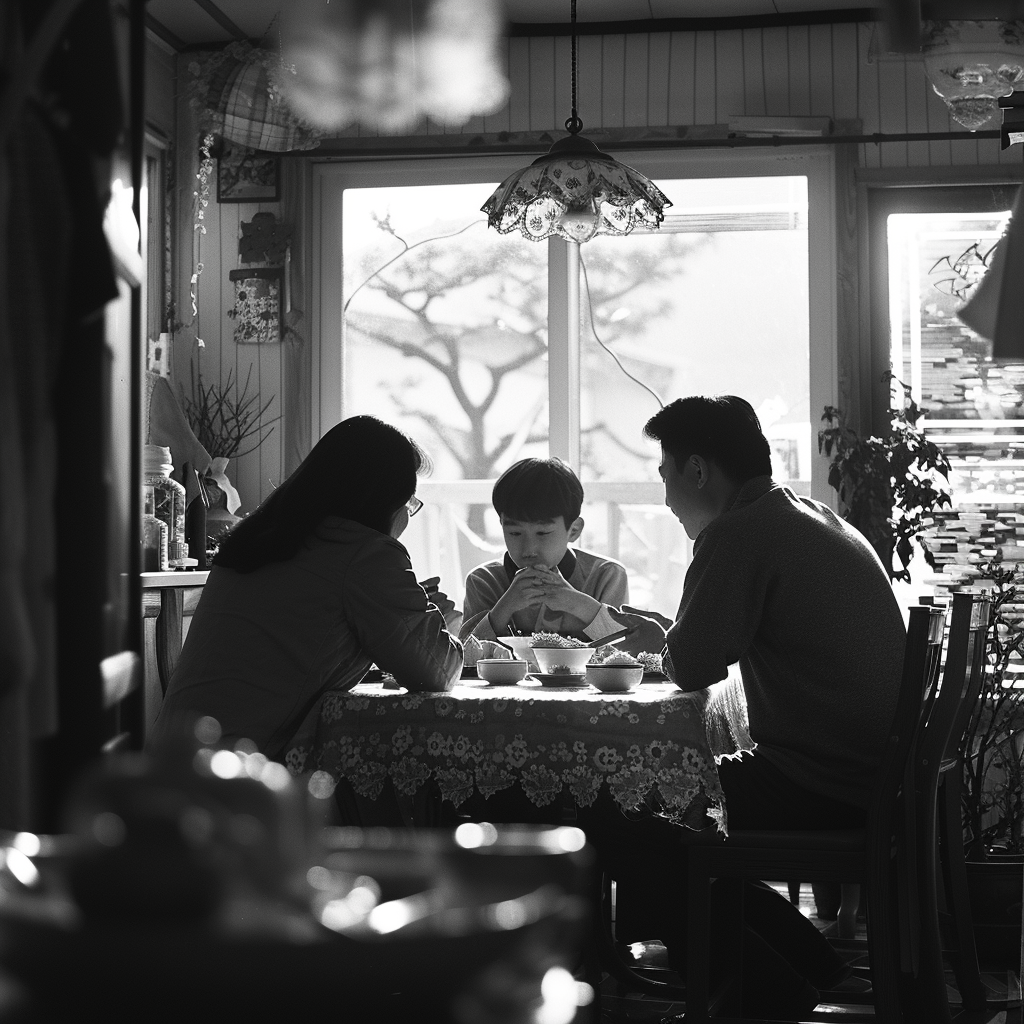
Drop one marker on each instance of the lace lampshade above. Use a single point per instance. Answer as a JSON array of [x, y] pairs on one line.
[[575, 191], [972, 63]]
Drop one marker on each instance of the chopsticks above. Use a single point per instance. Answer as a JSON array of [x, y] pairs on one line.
[[619, 635]]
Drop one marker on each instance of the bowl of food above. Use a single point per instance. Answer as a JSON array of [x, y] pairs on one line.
[[618, 673], [615, 678], [560, 655], [501, 671]]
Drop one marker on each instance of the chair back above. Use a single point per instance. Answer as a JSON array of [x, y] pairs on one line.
[[922, 658], [948, 706]]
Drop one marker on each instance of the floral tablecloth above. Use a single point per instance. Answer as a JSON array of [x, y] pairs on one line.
[[656, 742]]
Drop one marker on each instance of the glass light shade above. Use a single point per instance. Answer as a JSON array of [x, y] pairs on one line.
[[575, 191], [971, 64], [387, 65]]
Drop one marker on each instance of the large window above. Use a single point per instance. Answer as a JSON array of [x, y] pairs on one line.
[[467, 340]]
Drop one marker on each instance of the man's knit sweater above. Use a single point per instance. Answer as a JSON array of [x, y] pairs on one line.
[[781, 585]]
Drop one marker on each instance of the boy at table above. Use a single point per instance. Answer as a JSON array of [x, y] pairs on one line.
[[785, 588], [541, 584]]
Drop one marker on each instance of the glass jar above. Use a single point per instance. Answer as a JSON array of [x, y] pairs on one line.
[[168, 501], [154, 535]]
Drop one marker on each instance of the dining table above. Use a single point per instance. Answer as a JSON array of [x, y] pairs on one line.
[[653, 747]]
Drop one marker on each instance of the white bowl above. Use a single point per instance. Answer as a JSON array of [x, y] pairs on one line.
[[501, 670], [615, 678], [563, 661]]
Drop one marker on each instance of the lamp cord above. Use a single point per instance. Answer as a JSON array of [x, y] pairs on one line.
[[574, 124]]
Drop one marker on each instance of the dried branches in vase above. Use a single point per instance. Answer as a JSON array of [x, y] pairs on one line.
[[228, 423]]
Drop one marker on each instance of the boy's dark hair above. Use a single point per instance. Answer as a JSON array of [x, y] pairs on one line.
[[722, 428], [535, 490]]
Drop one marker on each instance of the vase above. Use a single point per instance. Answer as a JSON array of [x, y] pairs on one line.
[[995, 887], [219, 473]]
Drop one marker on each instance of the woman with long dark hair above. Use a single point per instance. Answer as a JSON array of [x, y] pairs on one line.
[[310, 590]]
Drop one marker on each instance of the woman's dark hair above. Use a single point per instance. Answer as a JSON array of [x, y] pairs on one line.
[[362, 469], [722, 428], [536, 490]]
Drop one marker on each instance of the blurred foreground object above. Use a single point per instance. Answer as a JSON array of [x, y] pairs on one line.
[[194, 884], [386, 64]]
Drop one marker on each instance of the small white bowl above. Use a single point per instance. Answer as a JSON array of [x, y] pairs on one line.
[[563, 661], [615, 678], [502, 670]]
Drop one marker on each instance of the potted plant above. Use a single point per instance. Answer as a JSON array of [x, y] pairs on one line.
[[228, 424], [993, 776], [888, 486]]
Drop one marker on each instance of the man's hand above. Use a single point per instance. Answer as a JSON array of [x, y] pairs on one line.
[[649, 635], [445, 605], [663, 620]]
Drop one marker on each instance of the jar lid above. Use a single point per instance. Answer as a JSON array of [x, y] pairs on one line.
[[156, 459]]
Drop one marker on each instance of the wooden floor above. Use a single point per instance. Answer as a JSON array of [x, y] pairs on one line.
[[617, 1004]]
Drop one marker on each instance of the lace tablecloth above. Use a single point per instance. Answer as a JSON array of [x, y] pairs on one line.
[[656, 743]]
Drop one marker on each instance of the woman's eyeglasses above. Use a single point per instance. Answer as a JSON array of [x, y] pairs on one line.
[[413, 505]]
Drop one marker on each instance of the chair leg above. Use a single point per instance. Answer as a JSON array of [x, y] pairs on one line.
[[883, 943], [846, 922], [954, 879], [698, 929]]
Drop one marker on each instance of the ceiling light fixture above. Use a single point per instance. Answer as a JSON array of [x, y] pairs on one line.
[[971, 64], [574, 190]]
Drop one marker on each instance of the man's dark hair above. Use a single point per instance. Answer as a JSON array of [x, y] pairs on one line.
[[535, 490], [722, 428]]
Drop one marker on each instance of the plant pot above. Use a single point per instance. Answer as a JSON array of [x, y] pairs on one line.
[[995, 888], [218, 471]]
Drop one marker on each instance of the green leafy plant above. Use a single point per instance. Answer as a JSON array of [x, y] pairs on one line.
[[888, 486], [227, 423], [993, 750]]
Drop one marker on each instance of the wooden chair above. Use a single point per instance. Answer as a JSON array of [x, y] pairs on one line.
[[880, 856], [946, 924]]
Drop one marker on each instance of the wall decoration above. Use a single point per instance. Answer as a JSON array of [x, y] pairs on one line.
[[245, 176], [264, 239], [257, 311]]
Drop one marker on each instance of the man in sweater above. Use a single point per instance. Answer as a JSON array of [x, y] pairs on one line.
[[782, 586]]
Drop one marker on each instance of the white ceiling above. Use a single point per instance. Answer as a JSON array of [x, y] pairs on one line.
[[196, 22]]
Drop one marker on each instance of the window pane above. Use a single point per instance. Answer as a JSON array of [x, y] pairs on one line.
[[971, 405], [445, 326], [716, 301]]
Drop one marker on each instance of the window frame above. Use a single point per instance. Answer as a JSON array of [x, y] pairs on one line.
[[330, 179]]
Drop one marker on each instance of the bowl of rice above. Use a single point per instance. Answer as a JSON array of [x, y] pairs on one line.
[[560, 655], [618, 673]]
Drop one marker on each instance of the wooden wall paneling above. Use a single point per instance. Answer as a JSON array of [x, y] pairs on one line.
[[776, 71], [519, 77], [964, 153], [752, 72], [892, 110], [705, 98], [917, 112], [543, 115], [731, 96], [868, 98], [636, 111], [844, 71], [159, 72], [821, 85], [590, 81], [614, 77], [799, 71], [848, 297], [682, 65], [659, 44], [562, 83]]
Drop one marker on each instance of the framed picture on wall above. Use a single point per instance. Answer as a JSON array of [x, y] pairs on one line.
[[257, 308], [245, 176]]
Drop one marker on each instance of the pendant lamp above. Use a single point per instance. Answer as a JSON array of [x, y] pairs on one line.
[[574, 190]]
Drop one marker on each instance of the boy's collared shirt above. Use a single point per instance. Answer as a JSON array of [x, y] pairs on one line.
[[604, 579]]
